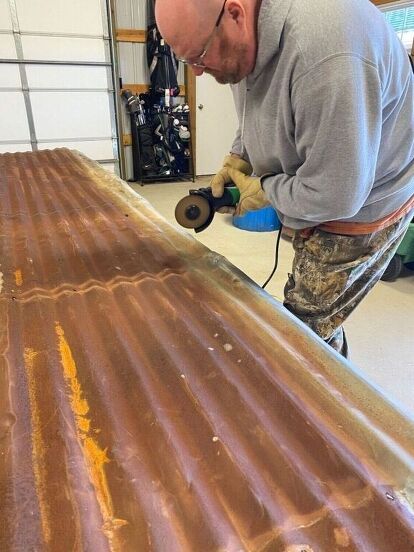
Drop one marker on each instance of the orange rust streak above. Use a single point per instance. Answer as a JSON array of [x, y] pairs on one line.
[[95, 457], [38, 444], [18, 278]]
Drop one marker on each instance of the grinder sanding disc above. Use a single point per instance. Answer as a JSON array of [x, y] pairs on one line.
[[192, 211]]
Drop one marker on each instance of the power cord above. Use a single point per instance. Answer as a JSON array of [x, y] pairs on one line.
[[276, 257]]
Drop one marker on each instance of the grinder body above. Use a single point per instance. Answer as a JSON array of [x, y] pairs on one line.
[[197, 210]]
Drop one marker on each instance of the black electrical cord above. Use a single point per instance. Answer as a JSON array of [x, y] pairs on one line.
[[279, 235]]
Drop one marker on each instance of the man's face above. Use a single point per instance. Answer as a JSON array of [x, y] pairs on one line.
[[226, 61], [226, 51]]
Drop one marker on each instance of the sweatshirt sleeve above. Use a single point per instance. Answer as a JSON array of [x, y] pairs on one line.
[[238, 147], [239, 96], [338, 119]]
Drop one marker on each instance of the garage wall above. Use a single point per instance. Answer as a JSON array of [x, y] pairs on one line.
[[60, 91]]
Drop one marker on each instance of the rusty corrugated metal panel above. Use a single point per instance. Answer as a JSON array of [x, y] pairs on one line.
[[153, 398]]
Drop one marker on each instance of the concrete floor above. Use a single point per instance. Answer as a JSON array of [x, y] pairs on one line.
[[380, 331]]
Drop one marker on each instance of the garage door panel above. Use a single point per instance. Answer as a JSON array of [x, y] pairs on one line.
[[41, 76], [60, 16], [13, 148], [96, 149], [10, 76], [13, 118], [5, 19], [7, 46], [52, 48], [61, 115], [110, 167], [62, 105]]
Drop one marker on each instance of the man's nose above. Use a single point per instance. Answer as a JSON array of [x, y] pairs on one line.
[[198, 71]]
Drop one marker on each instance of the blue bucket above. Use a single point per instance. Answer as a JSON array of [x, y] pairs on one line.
[[262, 220]]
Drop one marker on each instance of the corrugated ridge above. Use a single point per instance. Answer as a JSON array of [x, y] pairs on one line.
[[182, 407], [60, 243], [362, 495]]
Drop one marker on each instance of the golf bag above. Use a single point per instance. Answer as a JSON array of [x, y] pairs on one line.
[[160, 138], [151, 12], [162, 63], [141, 136]]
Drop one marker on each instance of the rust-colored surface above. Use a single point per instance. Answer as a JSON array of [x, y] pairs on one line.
[[153, 398]]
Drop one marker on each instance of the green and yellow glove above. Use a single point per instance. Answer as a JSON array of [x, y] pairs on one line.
[[252, 196]]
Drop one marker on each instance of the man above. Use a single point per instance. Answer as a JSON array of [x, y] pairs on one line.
[[324, 92]]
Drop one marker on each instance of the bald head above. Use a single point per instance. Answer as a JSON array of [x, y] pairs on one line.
[[186, 24]]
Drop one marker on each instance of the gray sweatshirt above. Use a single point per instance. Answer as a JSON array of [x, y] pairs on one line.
[[328, 112]]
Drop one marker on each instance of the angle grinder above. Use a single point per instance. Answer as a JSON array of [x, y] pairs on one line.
[[197, 210]]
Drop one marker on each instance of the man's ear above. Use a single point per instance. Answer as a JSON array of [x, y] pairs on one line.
[[236, 11]]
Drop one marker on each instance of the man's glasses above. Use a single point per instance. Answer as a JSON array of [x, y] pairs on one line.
[[198, 61]]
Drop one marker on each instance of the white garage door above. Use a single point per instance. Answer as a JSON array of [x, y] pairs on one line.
[[56, 78]]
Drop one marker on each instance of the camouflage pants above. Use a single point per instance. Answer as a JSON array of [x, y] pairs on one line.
[[332, 273]]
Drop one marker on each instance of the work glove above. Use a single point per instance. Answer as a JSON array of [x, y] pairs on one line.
[[222, 178], [252, 196]]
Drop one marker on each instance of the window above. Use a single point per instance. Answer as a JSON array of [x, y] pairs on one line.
[[402, 20]]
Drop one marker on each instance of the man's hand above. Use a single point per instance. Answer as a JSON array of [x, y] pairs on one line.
[[252, 196], [222, 178]]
